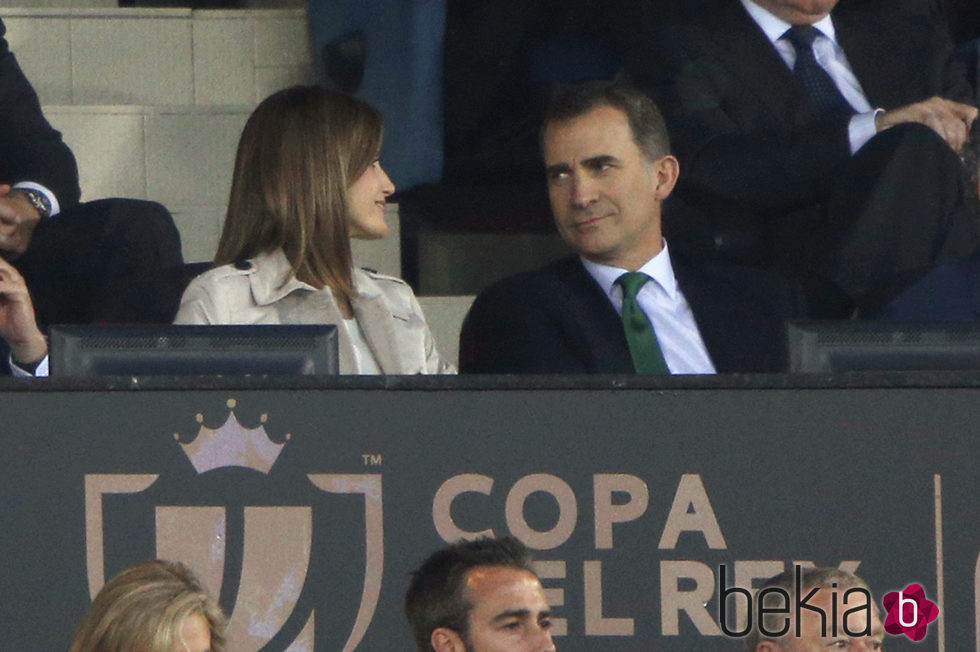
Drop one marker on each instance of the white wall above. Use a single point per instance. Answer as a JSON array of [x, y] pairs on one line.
[[152, 101]]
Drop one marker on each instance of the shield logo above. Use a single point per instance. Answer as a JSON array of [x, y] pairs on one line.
[[270, 545]]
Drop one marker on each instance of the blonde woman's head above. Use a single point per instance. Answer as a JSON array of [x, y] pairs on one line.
[[157, 606]]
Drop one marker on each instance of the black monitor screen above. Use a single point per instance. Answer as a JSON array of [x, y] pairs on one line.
[[193, 350], [821, 347]]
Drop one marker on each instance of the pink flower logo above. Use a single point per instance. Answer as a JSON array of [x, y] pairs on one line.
[[909, 612]]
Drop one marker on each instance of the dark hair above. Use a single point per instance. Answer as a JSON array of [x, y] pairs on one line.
[[299, 152], [810, 578], [569, 101], [435, 597]]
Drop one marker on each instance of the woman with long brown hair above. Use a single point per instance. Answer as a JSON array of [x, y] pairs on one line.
[[307, 179]]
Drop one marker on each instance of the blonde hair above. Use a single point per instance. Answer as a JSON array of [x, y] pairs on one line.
[[300, 151], [143, 609]]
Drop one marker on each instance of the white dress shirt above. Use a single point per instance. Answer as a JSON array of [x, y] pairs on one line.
[[40, 372], [667, 309], [831, 58]]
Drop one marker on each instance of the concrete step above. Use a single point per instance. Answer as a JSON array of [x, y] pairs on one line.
[[179, 156], [168, 56]]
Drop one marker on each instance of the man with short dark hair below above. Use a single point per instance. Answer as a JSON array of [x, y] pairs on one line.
[[620, 305], [830, 128], [479, 596], [853, 625]]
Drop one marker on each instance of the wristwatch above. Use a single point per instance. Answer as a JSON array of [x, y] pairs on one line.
[[38, 201]]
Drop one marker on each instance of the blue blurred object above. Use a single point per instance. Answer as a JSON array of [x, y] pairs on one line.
[[389, 53], [948, 292]]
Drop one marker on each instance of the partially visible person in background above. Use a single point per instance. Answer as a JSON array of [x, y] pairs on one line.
[[38, 177], [77, 260], [307, 179], [840, 613], [38, 174], [157, 606], [18, 325], [971, 157], [830, 130]]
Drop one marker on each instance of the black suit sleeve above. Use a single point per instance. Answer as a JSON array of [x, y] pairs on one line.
[[30, 149], [509, 330]]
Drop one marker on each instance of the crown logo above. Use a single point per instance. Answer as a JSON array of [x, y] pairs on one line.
[[232, 445]]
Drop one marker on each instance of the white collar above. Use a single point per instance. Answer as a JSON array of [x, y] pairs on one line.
[[659, 268], [775, 27]]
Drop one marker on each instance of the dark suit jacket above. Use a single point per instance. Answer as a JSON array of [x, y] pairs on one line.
[[30, 149], [742, 125], [558, 320]]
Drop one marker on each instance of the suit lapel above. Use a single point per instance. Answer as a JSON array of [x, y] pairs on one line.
[[737, 39], [586, 310], [712, 315]]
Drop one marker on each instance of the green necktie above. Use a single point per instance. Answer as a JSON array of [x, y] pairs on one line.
[[645, 350]]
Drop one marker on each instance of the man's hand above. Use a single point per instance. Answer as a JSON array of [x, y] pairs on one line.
[[951, 120], [18, 217], [18, 325]]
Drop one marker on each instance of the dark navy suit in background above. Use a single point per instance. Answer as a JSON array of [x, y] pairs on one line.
[[30, 149], [752, 147]]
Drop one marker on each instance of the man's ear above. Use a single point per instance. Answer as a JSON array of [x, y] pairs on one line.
[[446, 640], [768, 646], [666, 169]]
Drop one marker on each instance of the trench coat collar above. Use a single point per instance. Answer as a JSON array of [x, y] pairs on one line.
[[272, 279]]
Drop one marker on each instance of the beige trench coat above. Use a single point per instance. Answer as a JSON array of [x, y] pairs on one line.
[[266, 292]]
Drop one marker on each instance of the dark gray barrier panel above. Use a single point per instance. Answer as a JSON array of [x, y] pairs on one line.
[[309, 504]]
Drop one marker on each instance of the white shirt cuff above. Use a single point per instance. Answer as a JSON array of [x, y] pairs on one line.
[[30, 185], [862, 128], [40, 372]]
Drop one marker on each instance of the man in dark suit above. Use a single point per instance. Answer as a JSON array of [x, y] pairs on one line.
[[76, 260], [38, 179], [831, 127], [609, 170], [38, 175]]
